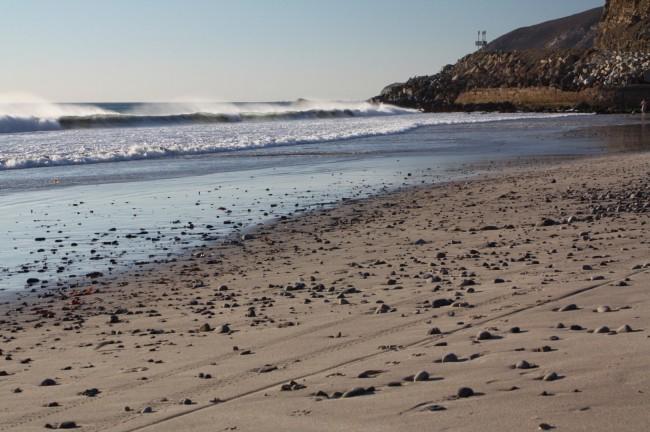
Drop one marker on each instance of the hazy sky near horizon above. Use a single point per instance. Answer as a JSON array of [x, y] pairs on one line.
[[242, 50]]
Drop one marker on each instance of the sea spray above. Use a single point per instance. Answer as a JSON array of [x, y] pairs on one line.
[[34, 114]]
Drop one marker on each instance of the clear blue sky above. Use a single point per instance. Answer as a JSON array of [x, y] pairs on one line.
[[155, 50]]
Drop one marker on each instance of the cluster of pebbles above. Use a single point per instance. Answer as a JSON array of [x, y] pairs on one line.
[[399, 307]]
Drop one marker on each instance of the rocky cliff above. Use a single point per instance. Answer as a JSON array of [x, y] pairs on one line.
[[583, 58], [625, 25]]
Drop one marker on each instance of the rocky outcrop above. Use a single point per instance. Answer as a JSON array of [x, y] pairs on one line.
[[567, 71], [612, 56], [625, 25]]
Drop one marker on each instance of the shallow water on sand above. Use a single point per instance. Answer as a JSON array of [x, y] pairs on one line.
[[61, 223]]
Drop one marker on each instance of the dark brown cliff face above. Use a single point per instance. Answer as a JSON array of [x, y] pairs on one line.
[[625, 25]]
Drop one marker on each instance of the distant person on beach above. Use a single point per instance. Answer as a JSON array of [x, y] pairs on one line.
[[644, 105]]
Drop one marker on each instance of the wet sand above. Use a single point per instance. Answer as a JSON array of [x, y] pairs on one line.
[[516, 301]]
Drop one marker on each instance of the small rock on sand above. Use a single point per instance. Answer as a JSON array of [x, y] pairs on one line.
[[357, 391], [602, 330], [551, 376], [382, 308], [450, 358], [624, 329], [484, 335], [421, 376], [465, 392], [438, 303], [523, 364]]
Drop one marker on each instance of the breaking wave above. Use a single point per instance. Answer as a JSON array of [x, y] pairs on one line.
[[39, 116], [90, 146]]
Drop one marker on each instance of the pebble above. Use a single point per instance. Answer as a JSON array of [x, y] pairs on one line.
[[291, 386], [624, 329], [465, 392], [450, 358], [357, 391], [523, 364], [382, 308], [369, 374], [48, 382], [602, 330], [438, 303], [91, 392], [267, 368], [568, 308], [484, 335], [421, 376], [552, 376]]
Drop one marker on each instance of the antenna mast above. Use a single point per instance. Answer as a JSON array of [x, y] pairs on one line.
[[481, 39]]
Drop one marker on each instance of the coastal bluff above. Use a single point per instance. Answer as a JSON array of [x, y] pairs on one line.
[[598, 60]]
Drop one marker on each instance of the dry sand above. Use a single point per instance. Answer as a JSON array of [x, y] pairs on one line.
[[341, 319]]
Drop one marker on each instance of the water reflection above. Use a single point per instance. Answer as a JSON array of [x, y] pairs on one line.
[[619, 138]]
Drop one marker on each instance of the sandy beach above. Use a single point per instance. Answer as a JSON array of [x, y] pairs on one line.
[[515, 301]]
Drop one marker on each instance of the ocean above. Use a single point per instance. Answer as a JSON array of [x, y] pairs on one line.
[[96, 189]]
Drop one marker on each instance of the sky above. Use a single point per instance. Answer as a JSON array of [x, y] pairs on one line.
[[242, 50]]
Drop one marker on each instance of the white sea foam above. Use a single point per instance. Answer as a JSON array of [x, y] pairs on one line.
[[87, 146]]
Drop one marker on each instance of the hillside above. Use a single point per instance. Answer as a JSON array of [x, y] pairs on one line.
[[576, 31]]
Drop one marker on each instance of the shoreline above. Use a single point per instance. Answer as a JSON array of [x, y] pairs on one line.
[[322, 303], [471, 171]]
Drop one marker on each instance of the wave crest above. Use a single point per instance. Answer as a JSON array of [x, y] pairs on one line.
[[15, 124], [29, 117]]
